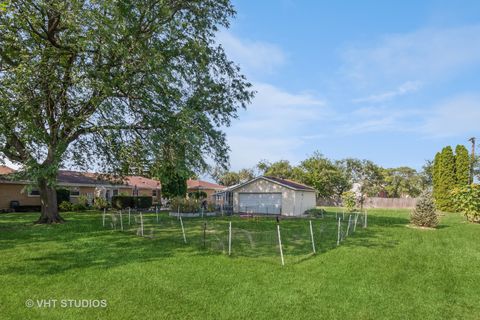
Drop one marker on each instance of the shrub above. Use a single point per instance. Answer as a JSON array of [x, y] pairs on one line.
[[100, 203], [424, 214], [143, 202], [349, 200], [467, 201], [210, 207], [122, 202], [65, 206], [78, 207], [185, 205], [63, 195], [83, 199], [315, 212]]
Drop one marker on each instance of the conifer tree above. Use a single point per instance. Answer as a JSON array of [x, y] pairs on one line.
[[462, 165], [446, 179], [424, 214]]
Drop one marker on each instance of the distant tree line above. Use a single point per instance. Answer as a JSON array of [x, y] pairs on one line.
[[331, 178]]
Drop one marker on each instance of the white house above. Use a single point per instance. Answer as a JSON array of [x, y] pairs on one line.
[[269, 195]]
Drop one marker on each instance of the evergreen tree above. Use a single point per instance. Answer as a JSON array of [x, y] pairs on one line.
[[446, 180], [424, 214], [462, 165]]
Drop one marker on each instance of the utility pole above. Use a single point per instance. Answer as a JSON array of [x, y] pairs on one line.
[[472, 163]]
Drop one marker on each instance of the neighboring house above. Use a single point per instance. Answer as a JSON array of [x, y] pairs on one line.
[[203, 186], [86, 184], [268, 195]]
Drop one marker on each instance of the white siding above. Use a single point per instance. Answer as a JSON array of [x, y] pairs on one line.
[[293, 202]]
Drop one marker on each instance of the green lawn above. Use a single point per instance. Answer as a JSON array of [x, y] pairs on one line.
[[387, 271]]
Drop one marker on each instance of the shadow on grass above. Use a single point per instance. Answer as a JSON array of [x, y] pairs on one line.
[[83, 242]]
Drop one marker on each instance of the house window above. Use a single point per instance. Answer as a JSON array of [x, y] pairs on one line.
[[33, 193], [154, 193], [115, 192], [74, 192]]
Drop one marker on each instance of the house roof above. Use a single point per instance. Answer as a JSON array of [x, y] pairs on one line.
[[283, 182], [6, 170], [142, 182], [202, 185], [69, 177]]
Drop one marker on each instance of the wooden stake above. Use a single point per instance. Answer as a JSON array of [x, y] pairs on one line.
[[104, 212], [349, 222], [230, 238], [355, 225], [311, 234], [204, 233], [121, 220], [183, 231], [141, 223], [280, 244], [365, 220], [129, 215], [156, 211], [338, 232]]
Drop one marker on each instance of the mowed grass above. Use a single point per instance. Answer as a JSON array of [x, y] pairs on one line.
[[387, 271]]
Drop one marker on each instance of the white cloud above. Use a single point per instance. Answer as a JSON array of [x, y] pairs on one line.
[[254, 57], [426, 54], [405, 88], [455, 117], [273, 126]]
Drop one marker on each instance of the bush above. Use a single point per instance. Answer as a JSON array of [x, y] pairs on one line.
[[315, 212], [467, 201], [349, 201], [83, 200], [143, 202], [99, 203], [78, 207], [425, 213], [63, 195], [122, 202], [185, 205], [65, 206]]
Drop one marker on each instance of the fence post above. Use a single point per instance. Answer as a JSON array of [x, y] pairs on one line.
[[356, 219], [280, 244], [156, 212], [230, 238], [366, 217], [338, 232], [129, 209], [183, 230], [349, 222], [311, 234], [104, 213], [204, 233], [121, 220], [141, 223]]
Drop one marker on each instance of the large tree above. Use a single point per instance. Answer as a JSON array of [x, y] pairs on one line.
[[324, 175], [81, 81], [401, 182]]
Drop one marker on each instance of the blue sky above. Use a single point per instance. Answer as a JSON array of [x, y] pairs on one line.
[[388, 81]]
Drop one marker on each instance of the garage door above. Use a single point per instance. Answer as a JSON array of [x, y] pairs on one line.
[[266, 203]]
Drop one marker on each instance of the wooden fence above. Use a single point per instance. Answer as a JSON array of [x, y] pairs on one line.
[[375, 202]]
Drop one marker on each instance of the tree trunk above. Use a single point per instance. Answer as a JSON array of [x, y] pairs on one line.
[[48, 198]]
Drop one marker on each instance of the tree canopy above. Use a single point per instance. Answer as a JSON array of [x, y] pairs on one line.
[[82, 81]]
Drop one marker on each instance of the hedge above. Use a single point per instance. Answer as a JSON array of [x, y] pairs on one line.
[[122, 202]]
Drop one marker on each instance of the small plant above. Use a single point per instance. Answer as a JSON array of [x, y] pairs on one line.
[[425, 212], [65, 206], [349, 200]]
